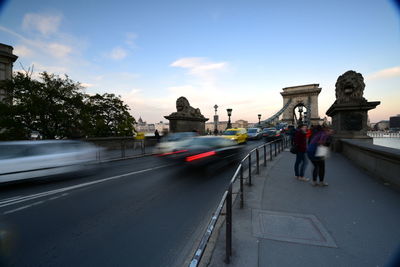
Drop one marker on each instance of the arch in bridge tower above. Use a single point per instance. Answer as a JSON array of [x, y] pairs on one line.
[[301, 95]]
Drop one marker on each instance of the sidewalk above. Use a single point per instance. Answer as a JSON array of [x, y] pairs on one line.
[[352, 222]]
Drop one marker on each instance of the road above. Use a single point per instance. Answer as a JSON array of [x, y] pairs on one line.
[[137, 212]]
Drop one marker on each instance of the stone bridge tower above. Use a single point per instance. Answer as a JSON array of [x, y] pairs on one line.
[[305, 96], [7, 58]]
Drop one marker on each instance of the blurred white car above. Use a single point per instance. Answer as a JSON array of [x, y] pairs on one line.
[[29, 159], [173, 141]]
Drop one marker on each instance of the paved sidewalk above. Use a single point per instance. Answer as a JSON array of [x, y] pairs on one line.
[[352, 222]]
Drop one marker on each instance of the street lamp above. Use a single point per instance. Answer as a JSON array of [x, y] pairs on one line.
[[229, 110], [259, 119], [215, 120], [301, 117]]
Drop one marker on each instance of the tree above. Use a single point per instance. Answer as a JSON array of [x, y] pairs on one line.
[[107, 115], [57, 107]]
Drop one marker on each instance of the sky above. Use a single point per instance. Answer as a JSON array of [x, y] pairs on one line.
[[234, 53]]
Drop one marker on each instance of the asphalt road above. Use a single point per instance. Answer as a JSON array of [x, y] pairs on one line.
[[138, 212]]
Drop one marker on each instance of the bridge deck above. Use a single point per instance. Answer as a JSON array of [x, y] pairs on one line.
[[352, 222]]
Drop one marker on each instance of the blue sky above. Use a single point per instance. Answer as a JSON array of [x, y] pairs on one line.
[[237, 54]]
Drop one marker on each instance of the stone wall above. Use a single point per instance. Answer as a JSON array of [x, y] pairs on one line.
[[116, 143], [381, 162]]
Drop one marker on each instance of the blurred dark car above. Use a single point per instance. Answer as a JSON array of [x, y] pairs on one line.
[[254, 133], [271, 134], [203, 150]]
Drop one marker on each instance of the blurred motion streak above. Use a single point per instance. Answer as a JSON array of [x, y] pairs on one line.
[[21, 160]]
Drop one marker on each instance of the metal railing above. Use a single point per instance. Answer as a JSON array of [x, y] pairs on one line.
[[275, 147], [383, 134]]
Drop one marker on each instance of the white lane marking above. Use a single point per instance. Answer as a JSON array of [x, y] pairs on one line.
[[34, 204], [62, 195], [9, 199], [60, 190], [24, 207]]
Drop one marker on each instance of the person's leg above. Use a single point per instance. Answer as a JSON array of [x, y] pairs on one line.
[[322, 173], [315, 170], [303, 165], [321, 170], [296, 165]]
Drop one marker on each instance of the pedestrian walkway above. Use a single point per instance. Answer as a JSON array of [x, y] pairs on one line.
[[352, 222]]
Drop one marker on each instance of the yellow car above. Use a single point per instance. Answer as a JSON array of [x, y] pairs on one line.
[[238, 135]]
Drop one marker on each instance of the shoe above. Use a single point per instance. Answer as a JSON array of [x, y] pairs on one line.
[[304, 179], [323, 184], [314, 183]]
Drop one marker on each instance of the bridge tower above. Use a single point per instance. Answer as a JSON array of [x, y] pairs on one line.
[[303, 97]]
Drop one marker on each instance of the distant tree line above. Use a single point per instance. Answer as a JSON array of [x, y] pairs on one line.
[[57, 107]]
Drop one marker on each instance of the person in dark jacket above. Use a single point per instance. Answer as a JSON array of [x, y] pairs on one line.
[[300, 142], [320, 137], [157, 135]]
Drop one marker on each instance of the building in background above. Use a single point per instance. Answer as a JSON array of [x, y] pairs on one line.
[[143, 127], [222, 125], [7, 58], [162, 127], [382, 126], [394, 122]]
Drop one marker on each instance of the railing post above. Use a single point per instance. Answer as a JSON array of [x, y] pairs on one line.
[[250, 169], [265, 155], [270, 151], [228, 251], [258, 161], [241, 187], [275, 148]]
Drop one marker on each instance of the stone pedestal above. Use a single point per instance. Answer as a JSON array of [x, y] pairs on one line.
[[186, 118], [350, 110], [349, 121], [185, 124]]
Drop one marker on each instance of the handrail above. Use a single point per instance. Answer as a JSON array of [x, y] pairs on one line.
[[227, 200]]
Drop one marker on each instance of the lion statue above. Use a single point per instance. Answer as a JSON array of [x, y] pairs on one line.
[[350, 87], [184, 109]]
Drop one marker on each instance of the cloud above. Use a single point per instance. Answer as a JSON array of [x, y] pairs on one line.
[[59, 50], [384, 74], [22, 51], [45, 24], [118, 53], [87, 85], [198, 66]]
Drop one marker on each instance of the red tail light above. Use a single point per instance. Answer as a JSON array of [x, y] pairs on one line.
[[199, 156], [173, 152]]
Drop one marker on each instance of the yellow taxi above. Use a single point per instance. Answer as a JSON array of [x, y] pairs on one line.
[[238, 135]]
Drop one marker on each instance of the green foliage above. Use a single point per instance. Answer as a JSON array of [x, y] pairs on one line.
[[57, 107]]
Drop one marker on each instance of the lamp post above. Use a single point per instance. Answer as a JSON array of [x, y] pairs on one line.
[[229, 110], [301, 116], [259, 119], [215, 120]]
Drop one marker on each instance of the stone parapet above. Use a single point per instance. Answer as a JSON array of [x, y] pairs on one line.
[[382, 162]]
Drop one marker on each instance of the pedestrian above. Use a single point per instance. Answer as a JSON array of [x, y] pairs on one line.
[[291, 133], [157, 135], [317, 145], [300, 143], [215, 131]]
